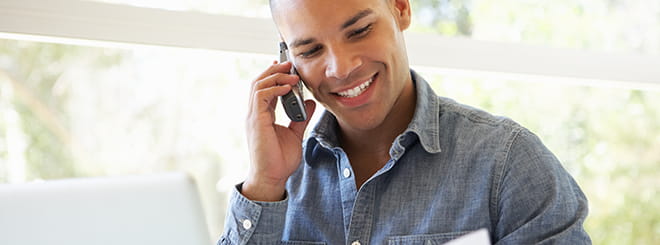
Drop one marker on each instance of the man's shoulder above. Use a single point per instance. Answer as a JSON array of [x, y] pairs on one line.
[[466, 117], [467, 129]]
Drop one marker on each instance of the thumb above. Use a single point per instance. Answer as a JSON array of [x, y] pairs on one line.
[[299, 127]]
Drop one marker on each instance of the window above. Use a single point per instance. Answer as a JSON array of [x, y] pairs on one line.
[[594, 25], [72, 111]]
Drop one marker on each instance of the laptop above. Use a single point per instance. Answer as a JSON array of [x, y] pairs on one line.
[[159, 209]]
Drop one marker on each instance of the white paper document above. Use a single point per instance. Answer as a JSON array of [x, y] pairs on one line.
[[478, 237]]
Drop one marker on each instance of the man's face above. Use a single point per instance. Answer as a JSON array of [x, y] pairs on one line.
[[350, 53]]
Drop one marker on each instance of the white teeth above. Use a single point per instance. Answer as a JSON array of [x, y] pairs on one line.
[[358, 90]]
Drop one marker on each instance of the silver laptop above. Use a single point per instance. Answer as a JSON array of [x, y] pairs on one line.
[[160, 209]]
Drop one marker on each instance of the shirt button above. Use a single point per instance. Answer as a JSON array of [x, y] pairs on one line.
[[347, 173], [356, 243], [247, 224]]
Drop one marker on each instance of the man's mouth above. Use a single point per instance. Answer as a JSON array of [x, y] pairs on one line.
[[357, 90]]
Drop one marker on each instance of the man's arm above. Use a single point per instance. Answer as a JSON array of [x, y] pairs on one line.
[[258, 205], [536, 200]]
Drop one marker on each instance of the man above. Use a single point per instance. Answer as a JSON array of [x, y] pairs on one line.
[[389, 162]]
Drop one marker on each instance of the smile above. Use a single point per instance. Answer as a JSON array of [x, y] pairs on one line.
[[357, 90]]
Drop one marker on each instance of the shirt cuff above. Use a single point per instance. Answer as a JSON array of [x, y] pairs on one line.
[[261, 222]]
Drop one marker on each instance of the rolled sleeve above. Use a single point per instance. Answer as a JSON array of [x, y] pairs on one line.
[[252, 222]]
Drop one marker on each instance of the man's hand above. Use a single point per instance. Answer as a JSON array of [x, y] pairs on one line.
[[275, 150]]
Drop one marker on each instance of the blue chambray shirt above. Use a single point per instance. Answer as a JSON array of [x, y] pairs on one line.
[[455, 169]]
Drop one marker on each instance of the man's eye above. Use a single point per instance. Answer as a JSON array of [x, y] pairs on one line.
[[310, 52], [360, 32]]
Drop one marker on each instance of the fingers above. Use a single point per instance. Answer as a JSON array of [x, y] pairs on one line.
[[275, 80], [299, 127], [264, 100], [276, 67], [275, 75]]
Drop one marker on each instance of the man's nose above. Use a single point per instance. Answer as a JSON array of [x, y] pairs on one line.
[[341, 62]]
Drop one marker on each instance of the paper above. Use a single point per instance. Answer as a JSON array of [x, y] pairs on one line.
[[479, 237]]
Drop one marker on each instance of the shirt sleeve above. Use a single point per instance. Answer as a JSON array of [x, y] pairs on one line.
[[251, 222], [537, 201]]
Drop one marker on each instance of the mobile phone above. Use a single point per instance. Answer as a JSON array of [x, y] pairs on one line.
[[293, 100]]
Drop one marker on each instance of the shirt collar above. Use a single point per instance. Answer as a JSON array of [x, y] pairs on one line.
[[426, 120], [425, 123], [325, 132]]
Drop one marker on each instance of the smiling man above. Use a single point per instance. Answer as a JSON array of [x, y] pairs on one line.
[[389, 162]]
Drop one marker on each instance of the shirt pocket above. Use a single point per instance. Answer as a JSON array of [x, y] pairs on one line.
[[426, 239], [301, 243]]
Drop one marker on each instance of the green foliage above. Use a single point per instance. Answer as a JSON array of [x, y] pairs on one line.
[[612, 26], [451, 18], [35, 70]]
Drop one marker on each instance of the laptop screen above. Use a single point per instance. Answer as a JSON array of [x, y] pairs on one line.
[[158, 209]]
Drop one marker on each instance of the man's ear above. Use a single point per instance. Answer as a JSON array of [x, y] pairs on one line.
[[401, 12]]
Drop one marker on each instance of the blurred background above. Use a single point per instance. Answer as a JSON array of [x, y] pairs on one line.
[[76, 109]]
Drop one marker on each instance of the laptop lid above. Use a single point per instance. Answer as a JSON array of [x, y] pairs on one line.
[[162, 209]]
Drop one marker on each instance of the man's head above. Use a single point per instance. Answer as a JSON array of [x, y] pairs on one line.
[[350, 53]]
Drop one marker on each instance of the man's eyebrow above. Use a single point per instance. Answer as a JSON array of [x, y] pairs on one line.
[[301, 42], [349, 22], [356, 17]]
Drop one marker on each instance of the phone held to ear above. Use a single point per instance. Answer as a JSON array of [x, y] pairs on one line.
[[293, 102]]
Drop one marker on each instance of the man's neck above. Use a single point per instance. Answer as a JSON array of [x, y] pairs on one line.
[[368, 150], [376, 142]]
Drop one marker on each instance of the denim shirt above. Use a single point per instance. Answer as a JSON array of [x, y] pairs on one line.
[[455, 169]]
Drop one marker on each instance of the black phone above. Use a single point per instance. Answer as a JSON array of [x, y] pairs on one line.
[[293, 102]]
